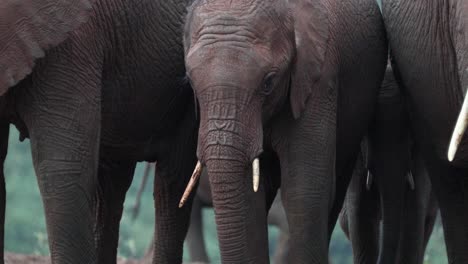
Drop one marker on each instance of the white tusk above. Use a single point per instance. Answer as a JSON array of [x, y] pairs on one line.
[[193, 181], [369, 180], [410, 179], [256, 174], [459, 130]]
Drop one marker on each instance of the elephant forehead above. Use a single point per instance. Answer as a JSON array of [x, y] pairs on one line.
[[242, 6]]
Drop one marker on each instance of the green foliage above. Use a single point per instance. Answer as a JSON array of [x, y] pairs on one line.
[[25, 230]]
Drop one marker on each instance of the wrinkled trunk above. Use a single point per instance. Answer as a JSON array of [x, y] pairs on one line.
[[230, 139], [240, 213]]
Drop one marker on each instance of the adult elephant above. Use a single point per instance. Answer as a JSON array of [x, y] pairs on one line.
[[287, 85], [389, 183], [195, 238], [429, 40], [104, 67]]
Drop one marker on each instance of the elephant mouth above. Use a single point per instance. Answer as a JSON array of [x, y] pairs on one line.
[[198, 171]]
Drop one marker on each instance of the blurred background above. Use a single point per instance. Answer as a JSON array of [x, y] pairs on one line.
[[25, 230]]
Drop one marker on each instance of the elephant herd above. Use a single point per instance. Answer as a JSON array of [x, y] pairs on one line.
[[257, 96]]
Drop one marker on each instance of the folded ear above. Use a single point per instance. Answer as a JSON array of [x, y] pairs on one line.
[[29, 27], [312, 33]]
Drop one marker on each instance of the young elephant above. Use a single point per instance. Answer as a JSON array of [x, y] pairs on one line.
[[285, 83], [105, 67], [390, 183]]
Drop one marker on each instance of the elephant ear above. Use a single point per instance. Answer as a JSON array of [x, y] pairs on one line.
[[312, 27], [29, 27]]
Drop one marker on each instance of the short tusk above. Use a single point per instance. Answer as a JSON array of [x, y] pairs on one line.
[[459, 130], [193, 181], [410, 179], [256, 174], [369, 180]]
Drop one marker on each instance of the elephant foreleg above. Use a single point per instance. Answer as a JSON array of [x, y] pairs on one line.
[[431, 216], [174, 167], [64, 125], [114, 179], [307, 176], [450, 186], [277, 217], [195, 239], [363, 218], [417, 208]]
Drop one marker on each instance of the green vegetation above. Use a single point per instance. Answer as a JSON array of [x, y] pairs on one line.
[[25, 223]]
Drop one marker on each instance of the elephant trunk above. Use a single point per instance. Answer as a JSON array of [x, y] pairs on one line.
[[228, 190], [240, 213], [229, 148]]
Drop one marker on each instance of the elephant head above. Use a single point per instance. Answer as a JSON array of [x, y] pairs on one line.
[[247, 60]]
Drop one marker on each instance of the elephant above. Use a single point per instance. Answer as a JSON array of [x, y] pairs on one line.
[[284, 89], [389, 183], [79, 79], [429, 47], [195, 238]]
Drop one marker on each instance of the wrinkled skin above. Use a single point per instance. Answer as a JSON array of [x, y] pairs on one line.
[[85, 108], [278, 85], [407, 215], [196, 242], [195, 238], [429, 43]]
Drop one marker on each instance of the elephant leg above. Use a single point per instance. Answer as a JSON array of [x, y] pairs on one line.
[[114, 179], [64, 124], [277, 217], [450, 186], [307, 175], [195, 239], [174, 167], [417, 202], [431, 216], [343, 220], [4, 132], [363, 218], [343, 178], [392, 183]]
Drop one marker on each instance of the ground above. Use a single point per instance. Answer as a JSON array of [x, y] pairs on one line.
[[11, 258]]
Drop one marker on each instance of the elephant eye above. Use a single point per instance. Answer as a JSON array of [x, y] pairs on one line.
[[268, 82]]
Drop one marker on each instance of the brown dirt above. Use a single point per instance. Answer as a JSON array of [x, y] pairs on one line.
[[12, 258]]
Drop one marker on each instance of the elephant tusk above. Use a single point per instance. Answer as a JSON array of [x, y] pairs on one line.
[[256, 174], [191, 184], [459, 130], [369, 180], [410, 179]]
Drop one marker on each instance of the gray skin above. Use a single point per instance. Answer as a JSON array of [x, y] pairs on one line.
[[85, 108], [195, 238], [267, 75], [387, 158], [196, 242], [362, 213], [429, 43]]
